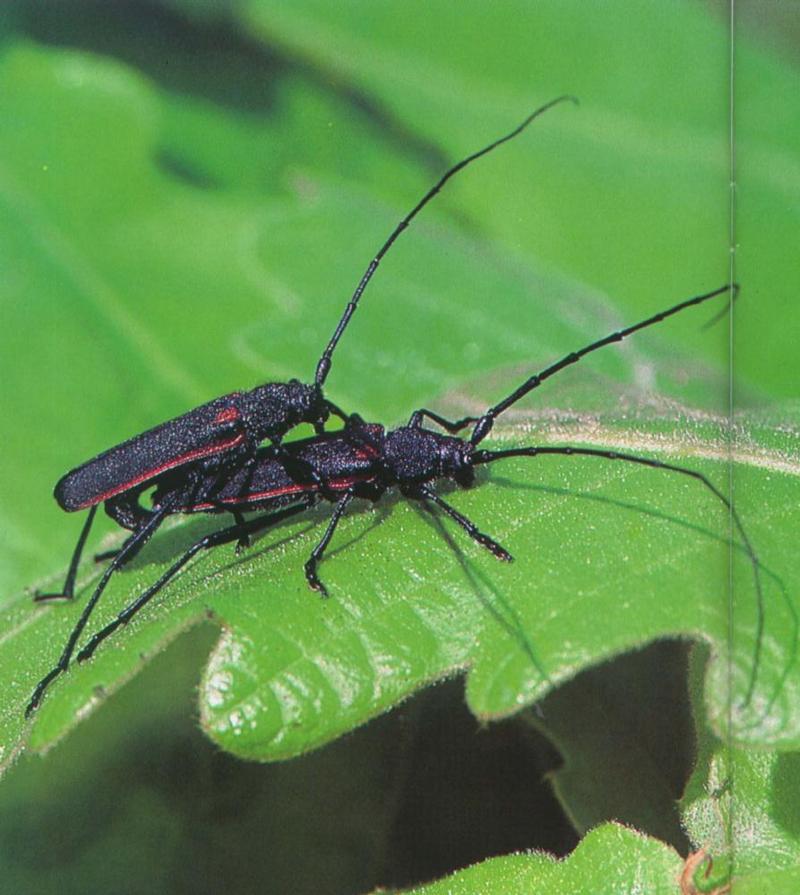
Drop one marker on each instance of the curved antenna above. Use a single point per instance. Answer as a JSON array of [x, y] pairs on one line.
[[485, 423], [324, 365]]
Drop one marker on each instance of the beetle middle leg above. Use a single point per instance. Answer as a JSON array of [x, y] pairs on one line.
[[316, 554]]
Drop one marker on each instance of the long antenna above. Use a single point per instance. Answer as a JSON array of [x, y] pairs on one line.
[[485, 423], [324, 365]]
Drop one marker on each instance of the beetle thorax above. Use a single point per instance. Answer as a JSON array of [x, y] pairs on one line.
[[273, 409], [418, 455]]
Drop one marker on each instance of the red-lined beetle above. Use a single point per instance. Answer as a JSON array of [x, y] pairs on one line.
[[362, 460], [226, 432]]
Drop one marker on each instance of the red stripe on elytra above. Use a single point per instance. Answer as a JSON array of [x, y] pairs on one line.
[[366, 452], [229, 415], [156, 471], [256, 496]]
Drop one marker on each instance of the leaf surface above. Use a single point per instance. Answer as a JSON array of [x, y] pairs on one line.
[[451, 321]]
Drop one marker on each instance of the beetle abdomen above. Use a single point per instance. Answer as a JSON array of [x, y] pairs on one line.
[[203, 432]]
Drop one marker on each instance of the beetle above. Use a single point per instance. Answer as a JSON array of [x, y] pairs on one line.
[[225, 432], [363, 460]]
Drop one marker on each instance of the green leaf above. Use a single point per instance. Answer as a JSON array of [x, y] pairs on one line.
[[610, 859], [776, 882], [171, 229], [742, 803], [133, 281]]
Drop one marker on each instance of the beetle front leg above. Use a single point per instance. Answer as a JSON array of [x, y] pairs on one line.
[[451, 426], [337, 411], [468, 525]]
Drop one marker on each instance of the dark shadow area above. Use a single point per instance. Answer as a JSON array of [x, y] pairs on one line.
[[470, 793], [628, 736], [183, 56], [773, 23], [207, 58]]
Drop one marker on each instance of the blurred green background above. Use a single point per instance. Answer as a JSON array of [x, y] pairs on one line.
[[189, 191]]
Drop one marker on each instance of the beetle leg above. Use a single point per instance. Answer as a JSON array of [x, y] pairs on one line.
[[469, 527], [244, 538], [68, 591], [316, 554], [110, 554], [215, 539], [131, 546], [337, 411], [448, 425]]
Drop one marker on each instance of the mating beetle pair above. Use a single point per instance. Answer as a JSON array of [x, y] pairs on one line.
[[210, 460]]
